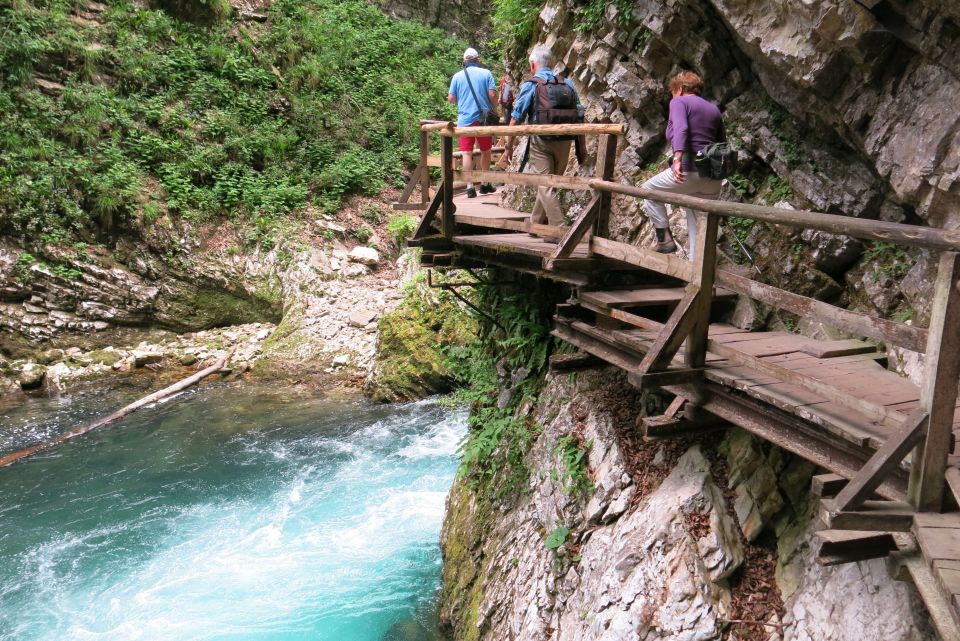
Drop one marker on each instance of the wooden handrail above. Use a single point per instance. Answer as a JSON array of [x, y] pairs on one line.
[[584, 129]]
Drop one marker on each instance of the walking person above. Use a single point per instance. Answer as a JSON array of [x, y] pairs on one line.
[[545, 98], [693, 124], [474, 93]]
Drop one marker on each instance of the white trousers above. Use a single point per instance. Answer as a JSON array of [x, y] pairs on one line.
[[693, 185]]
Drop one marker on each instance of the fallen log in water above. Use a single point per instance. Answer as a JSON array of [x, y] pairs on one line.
[[129, 409]]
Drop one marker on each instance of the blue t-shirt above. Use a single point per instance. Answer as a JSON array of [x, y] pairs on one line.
[[468, 111], [528, 91]]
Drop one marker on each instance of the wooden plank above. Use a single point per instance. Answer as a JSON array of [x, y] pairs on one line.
[[912, 235], [646, 258], [831, 349], [947, 520], [886, 458], [953, 482], [624, 317], [942, 608], [595, 347], [410, 206], [939, 543], [829, 392], [873, 516], [939, 390], [425, 173], [580, 226], [674, 332], [671, 426], [642, 297], [913, 338]]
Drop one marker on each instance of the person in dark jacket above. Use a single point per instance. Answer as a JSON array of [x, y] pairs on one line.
[[693, 124]]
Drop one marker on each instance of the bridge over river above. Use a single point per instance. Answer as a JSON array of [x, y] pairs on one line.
[[891, 481]]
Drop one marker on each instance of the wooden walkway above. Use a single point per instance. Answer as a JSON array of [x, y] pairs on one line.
[[888, 447]]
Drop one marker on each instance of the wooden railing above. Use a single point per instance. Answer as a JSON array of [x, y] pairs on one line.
[[928, 428]]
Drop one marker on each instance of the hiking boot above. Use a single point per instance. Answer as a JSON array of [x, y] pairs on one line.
[[471, 192], [665, 247], [487, 188]]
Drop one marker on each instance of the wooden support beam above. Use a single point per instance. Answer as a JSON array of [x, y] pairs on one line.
[[672, 426], [703, 277], [886, 458], [913, 338], [827, 485], [953, 482], [938, 395], [674, 332], [410, 206], [641, 257], [425, 173], [580, 227], [833, 349], [664, 378], [427, 221], [624, 317], [912, 235], [412, 183], [873, 516], [574, 362], [942, 611], [847, 546], [606, 163], [448, 223]]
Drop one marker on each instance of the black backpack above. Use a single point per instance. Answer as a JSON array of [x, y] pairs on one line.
[[554, 103], [716, 161]]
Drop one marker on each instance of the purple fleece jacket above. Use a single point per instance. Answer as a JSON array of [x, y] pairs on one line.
[[694, 123]]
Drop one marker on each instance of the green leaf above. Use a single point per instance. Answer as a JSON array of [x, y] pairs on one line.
[[556, 538]]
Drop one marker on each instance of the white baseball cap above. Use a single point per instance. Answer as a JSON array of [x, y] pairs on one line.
[[470, 54]]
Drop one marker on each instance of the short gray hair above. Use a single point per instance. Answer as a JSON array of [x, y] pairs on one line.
[[542, 56]]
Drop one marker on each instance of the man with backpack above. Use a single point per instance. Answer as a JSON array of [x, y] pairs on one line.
[[546, 98], [474, 93], [697, 163]]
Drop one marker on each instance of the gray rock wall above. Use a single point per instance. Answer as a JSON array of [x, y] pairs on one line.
[[658, 549]]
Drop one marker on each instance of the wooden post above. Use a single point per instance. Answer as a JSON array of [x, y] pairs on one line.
[[938, 395], [425, 176], [446, 171], [606, 161], [704, 273]]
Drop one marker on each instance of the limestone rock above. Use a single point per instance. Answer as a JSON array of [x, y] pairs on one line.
[[141, 359], [32, 376], [363, 317], [365, 256]]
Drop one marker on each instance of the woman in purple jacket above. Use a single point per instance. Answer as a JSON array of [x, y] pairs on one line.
[[694, 123]]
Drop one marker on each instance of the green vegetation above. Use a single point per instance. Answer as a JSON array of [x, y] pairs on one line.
[[777, 190], [513, 26], [556, 538], [575, 474], [401, 227], [499, 435], [741, 228], [143, 114], [885, 259], [590, 16]]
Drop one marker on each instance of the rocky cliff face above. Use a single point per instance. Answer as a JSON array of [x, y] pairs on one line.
[[674, 540], [839, 106]]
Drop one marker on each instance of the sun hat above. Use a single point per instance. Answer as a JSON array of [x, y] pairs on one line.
[[470, 54]]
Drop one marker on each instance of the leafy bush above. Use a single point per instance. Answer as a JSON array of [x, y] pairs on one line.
[[205, 121], [401, 227]]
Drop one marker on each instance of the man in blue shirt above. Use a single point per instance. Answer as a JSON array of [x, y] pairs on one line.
[[545, 156], [472, 94]]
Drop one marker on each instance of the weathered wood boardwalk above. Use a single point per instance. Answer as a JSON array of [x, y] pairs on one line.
[[887, 446]]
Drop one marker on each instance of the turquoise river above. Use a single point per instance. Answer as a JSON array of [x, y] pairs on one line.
[[234, 513]]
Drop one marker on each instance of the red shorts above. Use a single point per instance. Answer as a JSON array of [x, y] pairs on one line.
[[484, 142]]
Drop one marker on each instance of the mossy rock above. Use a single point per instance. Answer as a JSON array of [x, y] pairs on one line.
[[106, 357], [190, 309], [411, 348]]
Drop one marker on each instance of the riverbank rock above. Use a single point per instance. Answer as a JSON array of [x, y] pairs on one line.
[[365, 256], [31, 377]]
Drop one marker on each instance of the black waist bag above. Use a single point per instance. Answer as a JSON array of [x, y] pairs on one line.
[[716, 161]]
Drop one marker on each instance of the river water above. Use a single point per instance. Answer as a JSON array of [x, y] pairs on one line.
[[234, 513]]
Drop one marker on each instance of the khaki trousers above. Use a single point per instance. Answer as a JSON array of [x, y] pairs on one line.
[[547, 157]]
